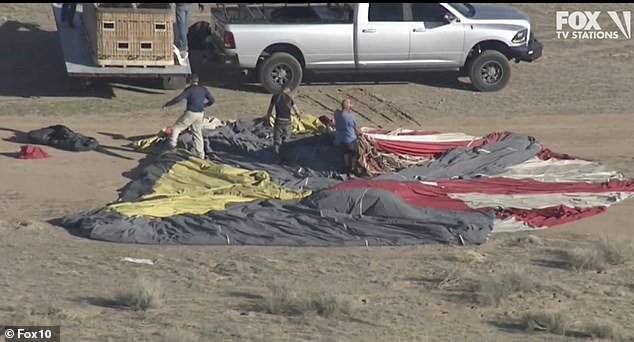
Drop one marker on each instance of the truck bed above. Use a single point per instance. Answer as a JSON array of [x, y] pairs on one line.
[[79, 61], [281, 13]]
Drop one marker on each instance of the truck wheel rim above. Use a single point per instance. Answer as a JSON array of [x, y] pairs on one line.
[[281, 74], [491, 72]]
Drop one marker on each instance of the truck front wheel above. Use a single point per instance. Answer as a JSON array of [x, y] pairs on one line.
[[489, 71], [281, 69]]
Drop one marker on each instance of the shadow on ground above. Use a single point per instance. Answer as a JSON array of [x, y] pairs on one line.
[[554, 258], [33, 65], [22, 138], [433, 79], [520, 328], [35, 68], [214, 74], [104, 303]]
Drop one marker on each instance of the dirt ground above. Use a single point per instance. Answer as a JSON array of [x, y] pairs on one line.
[[578, 99]]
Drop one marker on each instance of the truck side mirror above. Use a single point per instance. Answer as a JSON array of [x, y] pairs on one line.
[[450, 18]]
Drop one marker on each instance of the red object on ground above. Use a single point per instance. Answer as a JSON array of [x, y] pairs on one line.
[[438, 195], [429, 148], [32, 152], [167, 130], [326, 120], [552, 216]]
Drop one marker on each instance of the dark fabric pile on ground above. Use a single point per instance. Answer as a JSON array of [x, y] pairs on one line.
[[355, 216], [328, 218], [62, 137], [307, 161]]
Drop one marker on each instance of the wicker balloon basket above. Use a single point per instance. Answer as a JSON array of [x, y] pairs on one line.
[[130, 35]]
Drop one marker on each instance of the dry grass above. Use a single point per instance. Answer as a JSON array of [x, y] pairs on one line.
[[600, 254], [585, 259], [282, 301], [32, 316], [615, 251], [552, 322], [178, 335], [628, 281], [604, 330], [526, 241], [142, 295], [560, 324], [467, 257], [460, 269], [450, 277], [493, 290], [134, 339]]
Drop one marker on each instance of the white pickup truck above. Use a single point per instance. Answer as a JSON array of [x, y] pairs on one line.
[[281, 43]]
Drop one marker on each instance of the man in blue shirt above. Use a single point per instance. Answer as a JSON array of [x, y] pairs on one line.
[[346, 135], [193, 115]]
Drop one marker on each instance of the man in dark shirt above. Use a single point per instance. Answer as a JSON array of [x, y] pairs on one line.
[[193, 115], [282, 130]]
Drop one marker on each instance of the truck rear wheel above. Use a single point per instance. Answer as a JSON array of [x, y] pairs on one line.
[[281, 69], [489, 71]]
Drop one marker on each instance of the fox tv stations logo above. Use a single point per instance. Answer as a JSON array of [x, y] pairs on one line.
[[584, 25]]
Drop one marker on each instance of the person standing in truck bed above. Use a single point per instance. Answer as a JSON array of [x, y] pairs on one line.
[[182, 12], [68, 14], [182, 25]]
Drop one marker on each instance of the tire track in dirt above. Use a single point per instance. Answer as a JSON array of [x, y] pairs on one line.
[[361, 106], [362, 113], [380, 106], [371, 107], [330, 102], [391, 106], [316, 101]]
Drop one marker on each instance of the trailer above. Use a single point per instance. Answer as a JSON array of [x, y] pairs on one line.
[[81, 67]]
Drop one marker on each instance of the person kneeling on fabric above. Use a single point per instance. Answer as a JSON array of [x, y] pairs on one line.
[[346, 135]]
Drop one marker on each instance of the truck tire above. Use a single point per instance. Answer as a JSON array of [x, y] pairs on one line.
[[281, 69], [489, 71], [173, 82]]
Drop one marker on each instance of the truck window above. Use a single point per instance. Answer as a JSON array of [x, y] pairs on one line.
[[386, 12], [428, 13], [464, 8]]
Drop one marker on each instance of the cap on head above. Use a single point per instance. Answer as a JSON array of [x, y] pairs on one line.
[[195, 78]]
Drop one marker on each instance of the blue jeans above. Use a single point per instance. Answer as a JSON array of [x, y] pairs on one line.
[[68, 13], [182, 25]]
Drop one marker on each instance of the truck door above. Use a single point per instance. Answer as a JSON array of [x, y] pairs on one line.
[[434, 40], [383, 36]]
